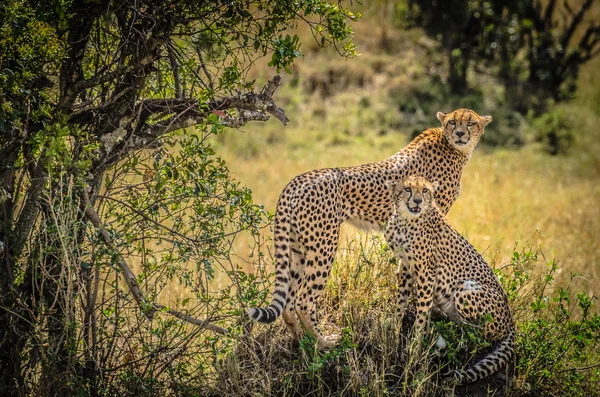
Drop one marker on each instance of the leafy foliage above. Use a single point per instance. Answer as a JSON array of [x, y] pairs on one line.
[[557, 344], [95, 97]]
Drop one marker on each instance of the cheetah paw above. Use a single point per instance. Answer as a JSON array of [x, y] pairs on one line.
[[327, 342]]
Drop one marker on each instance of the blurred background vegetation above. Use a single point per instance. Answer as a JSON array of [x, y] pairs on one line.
[[100, 176]]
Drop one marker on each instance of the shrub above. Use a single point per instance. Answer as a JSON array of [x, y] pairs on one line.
[[554, 130]]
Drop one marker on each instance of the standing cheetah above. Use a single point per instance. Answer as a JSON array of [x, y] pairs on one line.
[[449, 273], [313, 206]]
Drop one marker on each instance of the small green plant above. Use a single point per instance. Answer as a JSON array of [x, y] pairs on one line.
[[557, 345], [463, 342], [318, 361]]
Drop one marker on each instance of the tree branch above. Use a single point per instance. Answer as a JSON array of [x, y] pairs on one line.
[[71, 71], [575, 22], [192, 320], [148, 308], [250, 107], [130, 278], [252, 102], [255, 102], [548, 13], [31, 208], [175, 67]]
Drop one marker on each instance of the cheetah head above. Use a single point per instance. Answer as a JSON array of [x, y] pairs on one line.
[[412, 197], [463, 128]]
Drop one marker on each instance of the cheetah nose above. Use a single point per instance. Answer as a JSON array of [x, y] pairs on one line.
[[418, 201], [460, 133]]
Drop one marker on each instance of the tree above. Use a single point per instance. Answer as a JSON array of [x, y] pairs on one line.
[[553, 53], [528, 43], [457, 25], [96, 173]]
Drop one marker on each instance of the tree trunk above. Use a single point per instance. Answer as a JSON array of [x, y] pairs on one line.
[[457, 71]]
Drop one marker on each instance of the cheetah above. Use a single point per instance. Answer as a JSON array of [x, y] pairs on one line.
[[448, 273], [313, 206]]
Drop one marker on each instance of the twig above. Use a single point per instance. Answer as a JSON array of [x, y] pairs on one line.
[[148, 308], [175, 67], [205, 69], [130, 278], [581, 368], [192, 320]]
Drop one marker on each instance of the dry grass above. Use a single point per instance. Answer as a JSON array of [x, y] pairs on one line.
[[377, 357]]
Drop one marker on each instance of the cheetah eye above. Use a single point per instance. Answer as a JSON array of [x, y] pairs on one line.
[[471, 124], [425, 190], [451, 122], [407, 189]]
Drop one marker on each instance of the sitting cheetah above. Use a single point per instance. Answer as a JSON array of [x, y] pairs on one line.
[[449, 273], [313, 206]]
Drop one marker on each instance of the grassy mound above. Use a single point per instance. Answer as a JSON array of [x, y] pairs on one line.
[[556, 348]]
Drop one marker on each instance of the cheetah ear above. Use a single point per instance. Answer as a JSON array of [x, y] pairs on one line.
[[391, 185], [435, 186], [486, 119], [441, 116]]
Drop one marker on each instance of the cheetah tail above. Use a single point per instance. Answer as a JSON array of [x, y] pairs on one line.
[[489, 364], [282, 274]]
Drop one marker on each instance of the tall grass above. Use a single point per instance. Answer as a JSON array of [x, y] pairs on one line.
[[555, 349]]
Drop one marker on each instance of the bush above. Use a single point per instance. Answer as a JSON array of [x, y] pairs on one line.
[[558, 332], [554, 130]]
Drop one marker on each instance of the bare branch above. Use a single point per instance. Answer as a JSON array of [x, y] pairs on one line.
[[244, 117], [567, 7], [192, 320], [575, 22], [251, 107], [130, 278], [205, 69], [255, 102], [31, 208], [548, 13], [175, 68]]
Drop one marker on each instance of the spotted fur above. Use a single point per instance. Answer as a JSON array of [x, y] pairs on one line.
[[447, 273], [313, 206]]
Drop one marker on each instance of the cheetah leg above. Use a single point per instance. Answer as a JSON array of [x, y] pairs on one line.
[[424, 290], [291, 320], [474, 302], [289, 314], [315, 278], [405, 284]]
